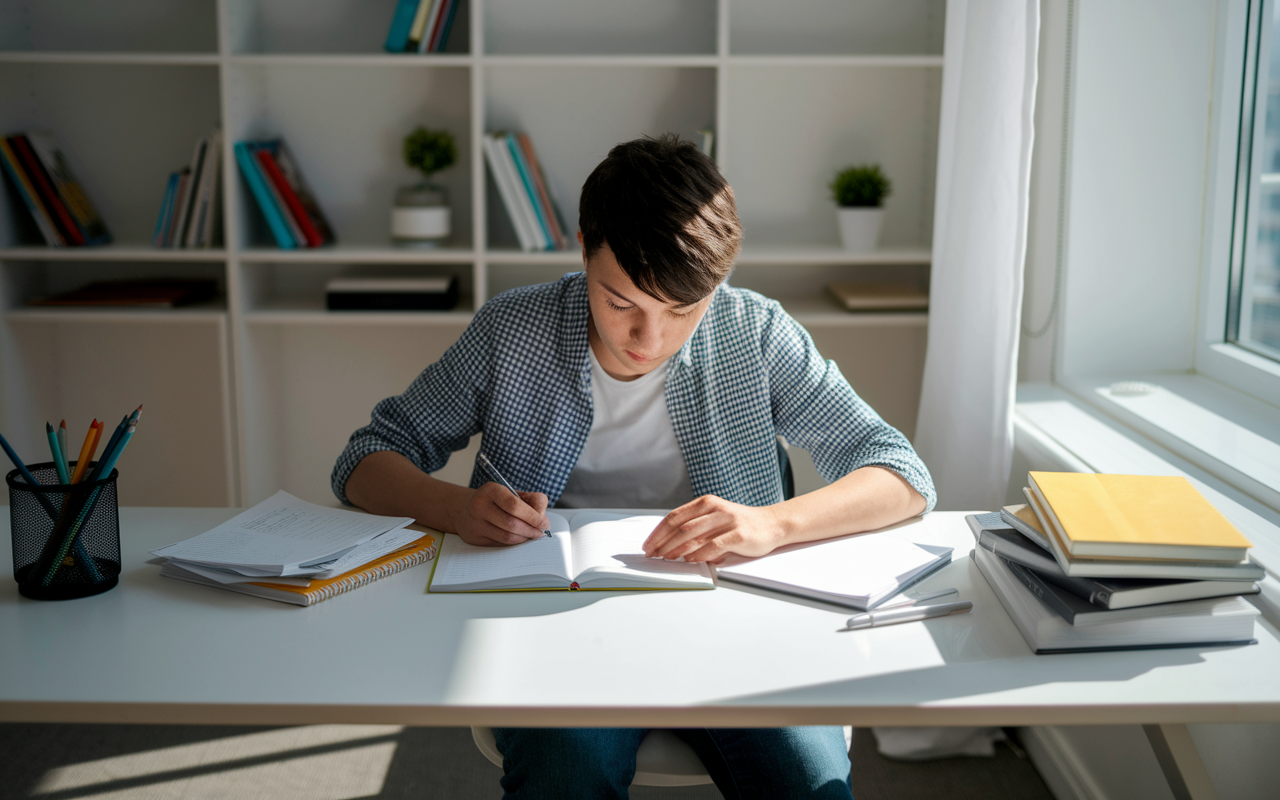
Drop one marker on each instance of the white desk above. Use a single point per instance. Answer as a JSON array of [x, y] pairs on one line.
[[162, 651]]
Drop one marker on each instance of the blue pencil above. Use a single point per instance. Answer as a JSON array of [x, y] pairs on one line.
[[105, 465]]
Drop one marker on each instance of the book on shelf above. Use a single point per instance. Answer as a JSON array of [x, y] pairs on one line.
[[1132, 567], [704, 139], [306, 592], [292, 214], [300, 202], [1134, 516], [879, 296], [523, 187], [50, 192], [859, 572], [136, 293], [1105, 593], [1209, 622], [420, 26], [161, 234], [189, 215], [587, 549], [392, 293]]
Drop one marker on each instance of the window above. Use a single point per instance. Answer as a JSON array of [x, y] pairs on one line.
[[1253, 311]]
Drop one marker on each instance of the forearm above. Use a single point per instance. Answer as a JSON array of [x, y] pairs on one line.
[[387, 483], [864, 500]]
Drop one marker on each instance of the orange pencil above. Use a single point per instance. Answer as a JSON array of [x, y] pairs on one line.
[[86, 450]]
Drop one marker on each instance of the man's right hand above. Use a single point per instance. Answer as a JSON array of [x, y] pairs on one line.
[[495, 517]]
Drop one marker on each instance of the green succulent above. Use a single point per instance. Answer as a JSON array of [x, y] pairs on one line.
[[862, 185], [429, 151]]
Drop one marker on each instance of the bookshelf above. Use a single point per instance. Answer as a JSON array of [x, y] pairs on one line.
[[259, 390]]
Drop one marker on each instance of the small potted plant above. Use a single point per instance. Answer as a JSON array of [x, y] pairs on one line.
[[859, 192], [421, 213]]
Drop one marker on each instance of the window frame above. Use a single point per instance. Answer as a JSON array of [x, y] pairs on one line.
[[1226, 218]]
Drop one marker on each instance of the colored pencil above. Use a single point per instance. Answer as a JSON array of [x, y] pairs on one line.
[[58, 462], [62, 445], [82, 463], [104, 467]]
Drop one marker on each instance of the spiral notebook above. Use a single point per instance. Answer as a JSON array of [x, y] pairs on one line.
[[411, 555]]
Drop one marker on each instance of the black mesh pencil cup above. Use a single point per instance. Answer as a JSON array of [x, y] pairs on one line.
[[66, 539]]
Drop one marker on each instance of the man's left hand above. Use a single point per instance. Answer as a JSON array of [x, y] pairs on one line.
[[710, 528]]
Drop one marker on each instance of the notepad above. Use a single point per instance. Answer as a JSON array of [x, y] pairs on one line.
[[599, 550], [859, 571]]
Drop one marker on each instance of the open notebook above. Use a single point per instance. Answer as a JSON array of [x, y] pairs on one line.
[[592, 550]]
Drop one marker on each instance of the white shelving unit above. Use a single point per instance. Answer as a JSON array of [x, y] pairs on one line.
[[259, 390]]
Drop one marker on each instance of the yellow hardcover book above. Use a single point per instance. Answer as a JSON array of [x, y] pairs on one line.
[[587, 549], [1135, 516]]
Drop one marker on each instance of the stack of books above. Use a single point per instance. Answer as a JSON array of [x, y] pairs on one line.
[[297, 552], [189, 211], [1118, 562], [54, 198], [525, 192], [276, 183], [421, 26]]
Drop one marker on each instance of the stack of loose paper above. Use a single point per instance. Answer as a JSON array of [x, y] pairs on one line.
[[287, 541]]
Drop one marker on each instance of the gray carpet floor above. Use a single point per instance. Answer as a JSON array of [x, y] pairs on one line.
[[349, 762]]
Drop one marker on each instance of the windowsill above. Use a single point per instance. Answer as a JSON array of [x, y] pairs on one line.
[[1224, 432], [1076, 428]]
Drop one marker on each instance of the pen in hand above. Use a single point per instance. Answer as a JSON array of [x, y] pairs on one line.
[[484, 461]]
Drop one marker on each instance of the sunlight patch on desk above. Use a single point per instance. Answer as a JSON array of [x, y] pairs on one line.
[[494, 662], [280, 764]]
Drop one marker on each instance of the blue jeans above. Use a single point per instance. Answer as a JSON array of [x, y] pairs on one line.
[[744, 762]]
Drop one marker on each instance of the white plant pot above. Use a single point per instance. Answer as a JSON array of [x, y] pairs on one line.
[[420, 215], [420, 225], [860, 227]]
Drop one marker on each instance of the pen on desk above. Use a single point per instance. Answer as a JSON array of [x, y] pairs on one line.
[[875, 619], [484, 461]]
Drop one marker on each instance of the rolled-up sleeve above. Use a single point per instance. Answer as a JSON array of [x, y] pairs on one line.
[[437, 415], [814, 407]]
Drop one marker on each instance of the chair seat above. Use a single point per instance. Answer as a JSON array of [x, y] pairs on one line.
[[662, 760]]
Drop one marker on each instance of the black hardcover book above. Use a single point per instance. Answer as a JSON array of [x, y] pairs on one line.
[[1112, 593]]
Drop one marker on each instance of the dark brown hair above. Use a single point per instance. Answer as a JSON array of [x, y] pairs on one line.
[[668, 215]]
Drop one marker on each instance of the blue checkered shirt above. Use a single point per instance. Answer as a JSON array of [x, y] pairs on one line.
[[520, 375]]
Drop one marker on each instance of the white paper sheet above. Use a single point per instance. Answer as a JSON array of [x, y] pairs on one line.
[[281, 535]]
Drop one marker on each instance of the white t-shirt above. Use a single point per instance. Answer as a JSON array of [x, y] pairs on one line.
[[631, 458]]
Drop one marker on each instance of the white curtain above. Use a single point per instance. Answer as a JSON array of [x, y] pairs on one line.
[[964, 431]]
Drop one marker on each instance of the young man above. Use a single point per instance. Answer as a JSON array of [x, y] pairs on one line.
[[644, 382]]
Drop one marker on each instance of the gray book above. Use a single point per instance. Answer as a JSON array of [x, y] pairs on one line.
[[1211, 622], [1106, 593]]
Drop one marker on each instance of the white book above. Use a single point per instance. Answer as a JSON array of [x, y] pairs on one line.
[[597, 550], [520, 208], [1213, 621], [201, 205], [183, 208], [508, 191], [282, 536], [859, 571]]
